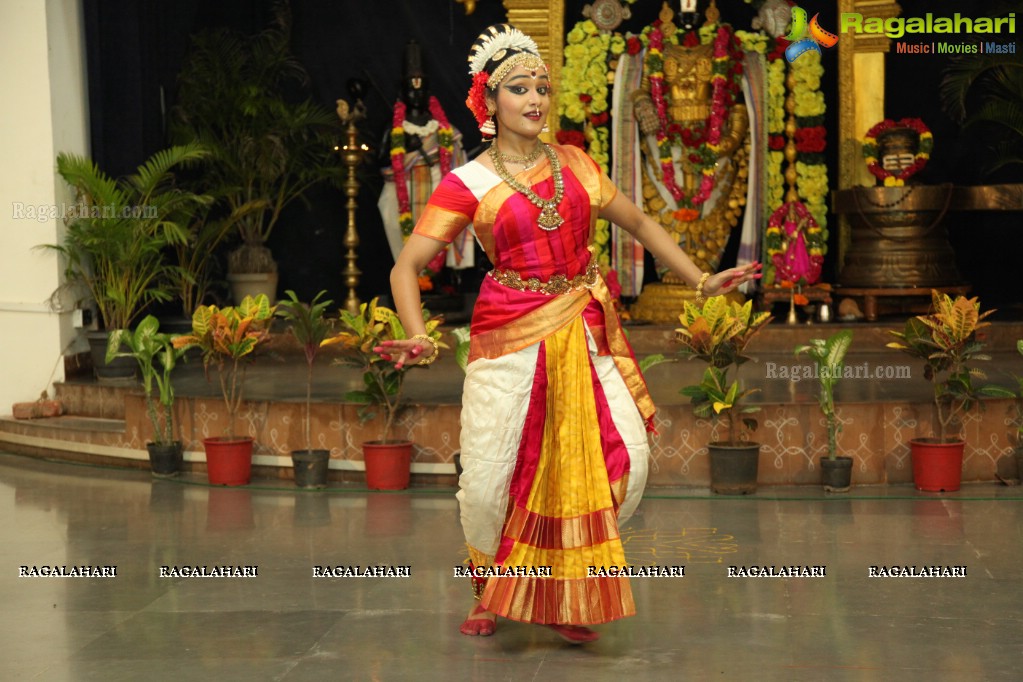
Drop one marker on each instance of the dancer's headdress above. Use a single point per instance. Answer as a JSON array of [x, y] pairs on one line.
[[498, 50]]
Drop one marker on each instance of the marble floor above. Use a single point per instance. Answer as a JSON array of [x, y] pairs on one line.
[[286, 624]]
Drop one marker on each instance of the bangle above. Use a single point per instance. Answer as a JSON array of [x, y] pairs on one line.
[[699, 287], [436, 350]]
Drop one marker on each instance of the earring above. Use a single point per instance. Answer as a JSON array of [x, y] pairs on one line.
[[546, 128], [488, 128]]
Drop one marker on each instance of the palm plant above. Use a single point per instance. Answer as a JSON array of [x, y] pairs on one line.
[[312, 331], [192, 275], [984, 93], [266, 150], [115, 240]]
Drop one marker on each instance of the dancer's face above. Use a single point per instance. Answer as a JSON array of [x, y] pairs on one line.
[[523, 102]]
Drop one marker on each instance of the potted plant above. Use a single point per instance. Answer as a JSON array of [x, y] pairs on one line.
[[312, 332], [195, 257], [236, 95], [387, 460], [945, 340], [116, 237], [718, 332], [156, 357], [829, 357], [227, 337]]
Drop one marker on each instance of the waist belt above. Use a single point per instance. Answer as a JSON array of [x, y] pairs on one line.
[[558, 284]]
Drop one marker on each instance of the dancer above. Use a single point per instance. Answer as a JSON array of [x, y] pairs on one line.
[[555, 412]]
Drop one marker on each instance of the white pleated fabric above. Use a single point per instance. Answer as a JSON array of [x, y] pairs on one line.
[[495, 400]]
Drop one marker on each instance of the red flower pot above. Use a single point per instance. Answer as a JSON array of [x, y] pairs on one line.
[[388, 464], [937, 466], [228, 460]]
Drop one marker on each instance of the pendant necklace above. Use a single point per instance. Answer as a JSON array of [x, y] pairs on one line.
[[549, 218]]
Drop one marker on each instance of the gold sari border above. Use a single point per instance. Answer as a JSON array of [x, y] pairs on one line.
[[586, 601], [554, 533], [440, 223], [531, 328]]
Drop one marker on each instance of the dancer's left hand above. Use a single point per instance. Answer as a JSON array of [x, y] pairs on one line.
[[404, 351], [728, 280]]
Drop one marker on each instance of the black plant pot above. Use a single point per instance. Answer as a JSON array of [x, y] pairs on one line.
[[836, 474], [734, 467], [165, 459], [120, 371], [310, 468]]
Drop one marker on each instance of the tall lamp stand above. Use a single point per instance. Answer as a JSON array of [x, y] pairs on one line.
[[352, 153]]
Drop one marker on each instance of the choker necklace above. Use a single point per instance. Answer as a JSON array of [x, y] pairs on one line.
[[528, 161], [549, 218]]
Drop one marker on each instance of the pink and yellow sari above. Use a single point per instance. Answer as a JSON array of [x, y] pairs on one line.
[[554, 442]]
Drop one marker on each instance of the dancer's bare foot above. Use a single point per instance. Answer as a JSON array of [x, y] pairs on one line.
[[479, 622], [574, 634]]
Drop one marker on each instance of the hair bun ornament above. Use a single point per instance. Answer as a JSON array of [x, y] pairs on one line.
[[494, 44]]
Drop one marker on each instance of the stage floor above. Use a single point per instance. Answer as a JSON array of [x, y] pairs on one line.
[[285, 624]]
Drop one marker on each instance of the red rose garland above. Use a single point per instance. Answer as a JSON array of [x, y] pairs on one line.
[[703, 139], [895, 179], [445, 151]]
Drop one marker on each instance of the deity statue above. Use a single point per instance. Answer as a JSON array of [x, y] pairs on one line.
[[773, 17], [421, 148], [694, 144]]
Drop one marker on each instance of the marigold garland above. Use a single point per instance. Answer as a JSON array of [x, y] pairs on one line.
[[897, 179], [583, 96], [445, 151], [810, 135]]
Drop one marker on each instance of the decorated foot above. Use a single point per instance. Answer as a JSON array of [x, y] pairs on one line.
[[479, 622], [574, 634]]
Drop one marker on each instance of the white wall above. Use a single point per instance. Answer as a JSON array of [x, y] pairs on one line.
[[44, 111]]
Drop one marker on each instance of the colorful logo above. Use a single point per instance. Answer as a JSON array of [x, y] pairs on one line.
[[800, 42]]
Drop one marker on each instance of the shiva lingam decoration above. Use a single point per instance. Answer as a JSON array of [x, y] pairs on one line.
[[898, 238], [896, 151], [899, 247], [352, 153], [795, 244]]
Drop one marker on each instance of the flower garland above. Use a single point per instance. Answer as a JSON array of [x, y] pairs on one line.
[[923, 153], [702, 139], [583, 97], [445, 151], [809, 136]]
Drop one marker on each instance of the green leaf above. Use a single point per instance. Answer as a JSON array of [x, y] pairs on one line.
[[362, 397]]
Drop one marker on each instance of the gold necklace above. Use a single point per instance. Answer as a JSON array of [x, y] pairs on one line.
[[549, 218], [526, 161]]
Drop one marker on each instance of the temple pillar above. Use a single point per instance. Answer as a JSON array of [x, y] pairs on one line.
[[861, 60]]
